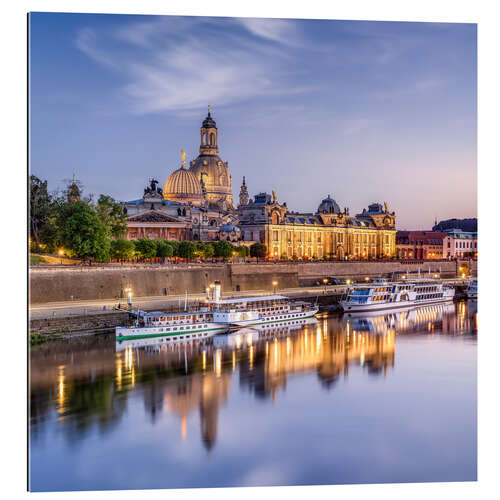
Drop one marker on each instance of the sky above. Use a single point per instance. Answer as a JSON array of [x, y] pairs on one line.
[[362, 111]]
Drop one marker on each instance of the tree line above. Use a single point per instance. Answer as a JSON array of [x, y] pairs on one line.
[[146, 249], [94, 231]]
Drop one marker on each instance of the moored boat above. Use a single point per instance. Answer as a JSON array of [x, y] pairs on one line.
[[407, 294], [471, 289], [215, 315]]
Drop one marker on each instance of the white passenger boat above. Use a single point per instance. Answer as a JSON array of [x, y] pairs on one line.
[[253, 311], [186, 325], [382, 294], [471, 289], [215, 315]]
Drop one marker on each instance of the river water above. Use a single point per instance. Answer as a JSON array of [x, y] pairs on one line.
[[385, 398]]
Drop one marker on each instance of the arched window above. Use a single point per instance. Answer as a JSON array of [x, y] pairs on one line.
[[275, 219]]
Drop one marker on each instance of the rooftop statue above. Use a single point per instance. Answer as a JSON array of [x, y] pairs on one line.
[[152, 190]]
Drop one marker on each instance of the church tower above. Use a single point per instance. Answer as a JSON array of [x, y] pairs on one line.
[[210, 170], [208, 135], [243, 194], [73, 193]]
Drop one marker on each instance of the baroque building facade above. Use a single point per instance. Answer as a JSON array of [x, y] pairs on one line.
[[329, 233], [196, 203], [154, 217]]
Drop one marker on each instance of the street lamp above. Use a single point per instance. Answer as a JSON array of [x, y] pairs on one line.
[[61, 253], [275, 284], [325, 282]]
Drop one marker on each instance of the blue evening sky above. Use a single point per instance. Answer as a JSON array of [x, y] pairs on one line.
[[364, 111]]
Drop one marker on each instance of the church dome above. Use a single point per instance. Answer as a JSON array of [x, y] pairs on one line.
[[182, 186], [328, 206], [215, 175]]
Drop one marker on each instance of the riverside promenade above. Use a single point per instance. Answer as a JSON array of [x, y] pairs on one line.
[[95, 316]]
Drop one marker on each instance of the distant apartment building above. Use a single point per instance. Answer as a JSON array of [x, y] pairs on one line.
[[458, 243], [420, 244], [447, 244]]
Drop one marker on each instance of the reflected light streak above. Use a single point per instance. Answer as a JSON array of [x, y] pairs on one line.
[[218, 362]]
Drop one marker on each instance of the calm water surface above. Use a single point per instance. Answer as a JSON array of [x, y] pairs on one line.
[[386, 398]]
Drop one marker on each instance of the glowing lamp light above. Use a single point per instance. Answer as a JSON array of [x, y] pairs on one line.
[[61, 252]]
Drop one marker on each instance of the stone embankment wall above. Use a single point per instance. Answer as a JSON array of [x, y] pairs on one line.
[[107, 282], [76, 324]]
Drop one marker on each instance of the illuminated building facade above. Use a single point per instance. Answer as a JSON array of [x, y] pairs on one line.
[[154, 217], [460, 244], [327, 234], [420, 245]]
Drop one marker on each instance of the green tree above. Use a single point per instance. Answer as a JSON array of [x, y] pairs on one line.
[[258, 250], [145, 248], [204, 250], [242, 251], [164, 249], [186, 249], [223, 249], [82, 232], [40, 201], [112, 214], [175, 246], [122, 249]]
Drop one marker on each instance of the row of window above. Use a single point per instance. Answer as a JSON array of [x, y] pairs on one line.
[[181, 337], [429, 296], [191, 327], [426, 289], [285, 316]]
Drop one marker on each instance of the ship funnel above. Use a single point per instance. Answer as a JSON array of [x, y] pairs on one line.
[[217, 291]]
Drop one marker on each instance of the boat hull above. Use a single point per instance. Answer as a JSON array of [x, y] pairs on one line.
[[189, 331], [351, 308], [280, 318]]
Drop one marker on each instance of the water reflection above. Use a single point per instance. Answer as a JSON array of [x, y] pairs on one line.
[[87, 382]]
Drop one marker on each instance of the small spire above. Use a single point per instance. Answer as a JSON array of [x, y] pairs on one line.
[[209, 110], [73, 175], [183, 158], [244, 181]]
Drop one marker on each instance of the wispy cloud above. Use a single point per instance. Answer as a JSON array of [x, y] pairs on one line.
[[177, 64], [277, 30]]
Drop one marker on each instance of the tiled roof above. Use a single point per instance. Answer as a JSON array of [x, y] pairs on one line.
[[153, 216]]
